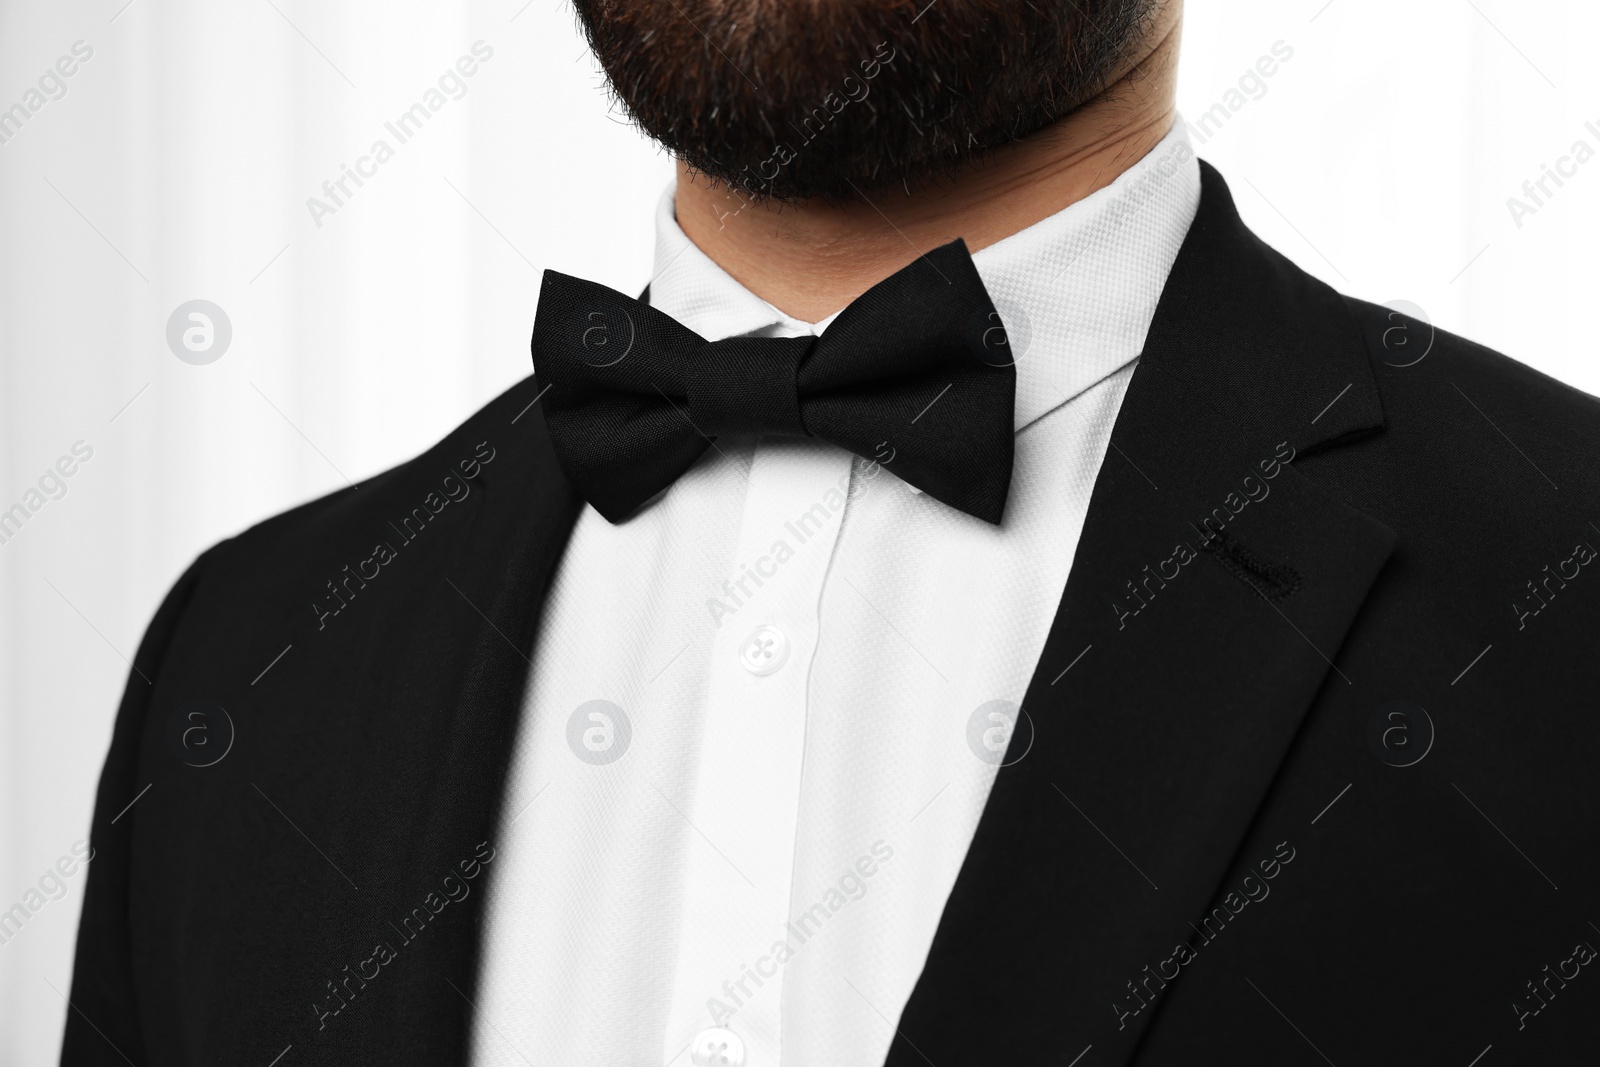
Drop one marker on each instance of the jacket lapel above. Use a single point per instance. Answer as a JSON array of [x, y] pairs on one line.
[[490, 587], [1213, 586]]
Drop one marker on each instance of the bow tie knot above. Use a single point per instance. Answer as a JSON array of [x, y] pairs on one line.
[[632, 397], [747, 385]]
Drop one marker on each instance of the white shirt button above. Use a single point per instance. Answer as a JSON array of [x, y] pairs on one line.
[[764, 650], [717, 1047]]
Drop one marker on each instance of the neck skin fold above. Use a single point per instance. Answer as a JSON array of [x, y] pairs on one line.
[[809, 259]]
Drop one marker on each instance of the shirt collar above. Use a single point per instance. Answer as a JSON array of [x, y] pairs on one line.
[[1076, 290]]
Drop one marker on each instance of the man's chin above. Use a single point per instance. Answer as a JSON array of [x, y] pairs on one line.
[[835, 101]]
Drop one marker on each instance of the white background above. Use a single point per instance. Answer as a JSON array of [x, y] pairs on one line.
[[178, 164]]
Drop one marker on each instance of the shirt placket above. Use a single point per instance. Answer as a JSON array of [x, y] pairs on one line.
[[743, 809]]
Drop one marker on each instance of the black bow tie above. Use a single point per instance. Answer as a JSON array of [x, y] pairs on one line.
[[915, 373]]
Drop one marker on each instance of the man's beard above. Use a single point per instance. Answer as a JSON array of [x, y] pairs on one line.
[[839, 99]]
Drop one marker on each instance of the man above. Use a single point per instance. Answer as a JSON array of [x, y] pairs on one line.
[[981, 605]]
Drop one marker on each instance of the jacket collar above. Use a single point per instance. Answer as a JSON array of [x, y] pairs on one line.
[[1259, 342]]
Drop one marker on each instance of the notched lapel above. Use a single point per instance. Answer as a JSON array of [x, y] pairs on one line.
[[1212, 589]]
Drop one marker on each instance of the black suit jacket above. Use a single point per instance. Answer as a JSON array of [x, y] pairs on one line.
[[1313, 735]]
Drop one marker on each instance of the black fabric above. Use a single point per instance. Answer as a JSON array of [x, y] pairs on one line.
[[747, 385], [908, 370], [1296, 530]]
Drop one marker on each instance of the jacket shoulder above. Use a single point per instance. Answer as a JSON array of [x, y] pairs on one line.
[[1457, 400], [462, 453], [1400, 341]]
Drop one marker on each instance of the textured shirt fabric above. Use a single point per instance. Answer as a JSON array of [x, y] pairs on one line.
[[764, 713]]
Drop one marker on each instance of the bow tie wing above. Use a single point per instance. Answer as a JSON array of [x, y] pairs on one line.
[[915, 373], [610, 371], [917, 369]]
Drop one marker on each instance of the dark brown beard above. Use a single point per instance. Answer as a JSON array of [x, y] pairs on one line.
[[786, 99]]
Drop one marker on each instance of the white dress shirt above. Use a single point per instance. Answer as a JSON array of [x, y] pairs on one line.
[[765, 712]]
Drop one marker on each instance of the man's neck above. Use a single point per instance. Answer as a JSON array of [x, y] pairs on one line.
[[809, 259]]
